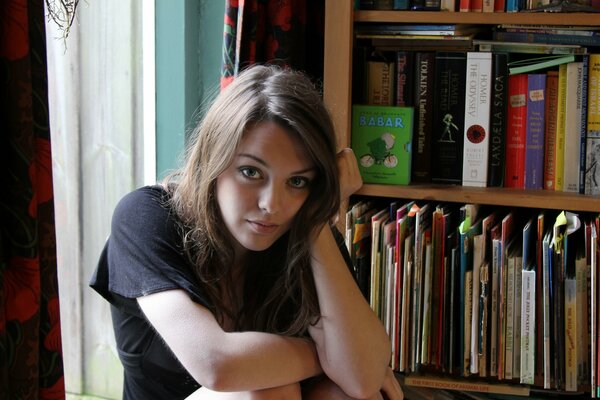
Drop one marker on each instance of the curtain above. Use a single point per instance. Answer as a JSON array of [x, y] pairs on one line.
[[30, 338], [283, 32]]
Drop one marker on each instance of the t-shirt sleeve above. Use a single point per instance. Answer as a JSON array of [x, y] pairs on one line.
[[143, 254]]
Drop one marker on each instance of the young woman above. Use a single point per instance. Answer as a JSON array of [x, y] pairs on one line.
[[228, 281]]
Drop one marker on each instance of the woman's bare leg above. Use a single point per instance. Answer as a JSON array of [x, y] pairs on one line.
[[325, 389], [289, 392]]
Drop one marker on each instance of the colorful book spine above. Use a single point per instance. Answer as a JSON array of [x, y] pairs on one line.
[[592, 165], [423, 126], [535, 126], [499, 5], [498, 120], [447, 143], [477, 118], [516, 131], [560, 128], [570, 332], [550, 131]]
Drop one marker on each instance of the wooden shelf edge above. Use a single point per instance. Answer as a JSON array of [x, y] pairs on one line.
[[491, 196], [433, 17]]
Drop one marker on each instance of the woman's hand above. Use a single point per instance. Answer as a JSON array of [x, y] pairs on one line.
[[349, 175]]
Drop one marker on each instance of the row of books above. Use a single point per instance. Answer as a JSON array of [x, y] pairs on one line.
[[505, 295], [480, 118], [479, 5]]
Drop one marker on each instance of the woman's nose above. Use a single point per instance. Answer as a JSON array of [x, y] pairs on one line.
[[270, 199]]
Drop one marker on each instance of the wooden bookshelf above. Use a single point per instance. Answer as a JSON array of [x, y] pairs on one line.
[[339, 22]]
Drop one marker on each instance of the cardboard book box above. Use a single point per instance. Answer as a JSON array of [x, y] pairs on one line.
[[382, 141]]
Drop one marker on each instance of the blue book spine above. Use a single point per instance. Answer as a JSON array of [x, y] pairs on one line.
[[549, 38], [535, 127]]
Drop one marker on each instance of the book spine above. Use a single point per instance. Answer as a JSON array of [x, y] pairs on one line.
[[546, 301], [512, 5], [509, 321], [468, 311], [424, 89], [528, 324], [464, 5], [476, 5], [498, 120], [535, 126], [528, 37], [447, 143], [550, 131], [592, 165], [401, 4], [570, 334], [488, 6], [583, 124], [516, 131], [560, 128], [517, 318], [477, 118], [499, 5], [379, 82], [404, 87], [583, 332], [572, 127], [496, 248]]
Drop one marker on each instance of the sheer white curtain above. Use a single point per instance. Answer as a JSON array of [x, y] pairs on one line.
[[96, 86]]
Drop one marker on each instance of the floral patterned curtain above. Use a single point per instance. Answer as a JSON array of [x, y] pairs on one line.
[[30, 340], [284, 32]]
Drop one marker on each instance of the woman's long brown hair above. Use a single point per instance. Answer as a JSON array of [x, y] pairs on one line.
[[279, 293]]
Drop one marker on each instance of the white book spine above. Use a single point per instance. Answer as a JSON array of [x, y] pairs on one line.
[[517, 320], [475, 328], [573, 127], [528, 328], [477, 118], [581, 275], [426, 327]]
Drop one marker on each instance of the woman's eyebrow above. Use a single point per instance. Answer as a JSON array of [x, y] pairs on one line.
[[265, 164]]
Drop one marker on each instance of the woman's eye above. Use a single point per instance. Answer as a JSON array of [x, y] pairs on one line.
[[250, 173], [299, 182]]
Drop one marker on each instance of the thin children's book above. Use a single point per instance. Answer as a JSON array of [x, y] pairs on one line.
[[381, 140]]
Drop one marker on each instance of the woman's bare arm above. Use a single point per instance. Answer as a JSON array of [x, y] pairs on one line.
[[352, 344], [227, 361]]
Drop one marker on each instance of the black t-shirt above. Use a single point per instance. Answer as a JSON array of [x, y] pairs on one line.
[[143, 255]]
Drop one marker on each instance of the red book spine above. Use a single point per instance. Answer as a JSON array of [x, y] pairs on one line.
[[516, 131]]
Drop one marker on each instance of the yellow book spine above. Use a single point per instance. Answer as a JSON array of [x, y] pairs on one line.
[[593, 117], [560, 128]]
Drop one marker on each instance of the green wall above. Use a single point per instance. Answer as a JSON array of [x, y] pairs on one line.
[[189, 38]]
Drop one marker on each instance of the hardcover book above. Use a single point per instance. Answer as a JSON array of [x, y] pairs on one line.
[[592, 165], [449, 115], [535, 126], [550, 129], [516, 131], [381, 140], [573, 113], [423, 125], [477, 118], [498, 120]]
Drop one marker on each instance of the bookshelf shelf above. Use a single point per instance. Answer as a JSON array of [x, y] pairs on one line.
[[489, 196], [339, 25], [432, 17]]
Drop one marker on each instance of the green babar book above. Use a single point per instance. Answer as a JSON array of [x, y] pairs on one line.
[[382, 142]]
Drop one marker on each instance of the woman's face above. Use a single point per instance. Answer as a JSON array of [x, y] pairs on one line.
[[264, 187]]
